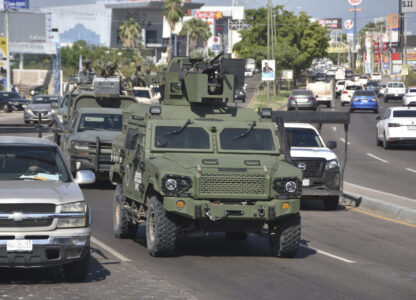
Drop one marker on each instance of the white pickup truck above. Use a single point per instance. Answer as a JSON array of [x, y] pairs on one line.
[[394, 90], [319, 164], [322, 91]]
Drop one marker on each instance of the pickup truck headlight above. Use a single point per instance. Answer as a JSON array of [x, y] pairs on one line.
[[79, 148], [75, 207], [173, 185], [331, 164]]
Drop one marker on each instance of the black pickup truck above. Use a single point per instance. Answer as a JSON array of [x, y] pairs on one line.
[[10, 101]]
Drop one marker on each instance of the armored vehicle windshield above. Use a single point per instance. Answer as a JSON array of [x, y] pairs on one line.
[[110, 122]]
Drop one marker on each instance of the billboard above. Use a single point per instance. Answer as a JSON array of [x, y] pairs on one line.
[[408, 6], [20, 31], [393, 22], [268, 69], [14, 4], [331, 23]]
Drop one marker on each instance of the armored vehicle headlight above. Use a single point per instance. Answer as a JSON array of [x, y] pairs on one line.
[[291, 186], [176, 184], [331, 164], [80, 206]]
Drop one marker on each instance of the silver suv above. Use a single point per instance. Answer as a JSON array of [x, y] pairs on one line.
[[44, 218]]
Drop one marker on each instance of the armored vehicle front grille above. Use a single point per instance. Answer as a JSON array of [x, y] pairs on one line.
[[104, 153], [33, 208], [314, 167], [26, 223], [27, 208], [234, 184]]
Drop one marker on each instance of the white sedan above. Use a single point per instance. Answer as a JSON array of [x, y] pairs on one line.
[[398, 126], [410, 97]]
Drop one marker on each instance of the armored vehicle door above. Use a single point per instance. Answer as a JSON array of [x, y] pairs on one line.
[[134, 166]]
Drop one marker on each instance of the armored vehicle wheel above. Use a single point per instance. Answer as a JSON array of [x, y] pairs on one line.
[[78, 270], [331, 202], [286, 238], [232, 235], [161, 230], [123, 228]]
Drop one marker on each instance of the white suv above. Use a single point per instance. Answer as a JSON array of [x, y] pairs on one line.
[[394, 90], [398, 126], [339, 87], [349, 89]]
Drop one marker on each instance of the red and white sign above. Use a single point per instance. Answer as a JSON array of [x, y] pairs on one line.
[[208, 15], [348, 24], [354, 2]]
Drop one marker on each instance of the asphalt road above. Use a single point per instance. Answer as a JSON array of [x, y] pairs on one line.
[[344, 255]]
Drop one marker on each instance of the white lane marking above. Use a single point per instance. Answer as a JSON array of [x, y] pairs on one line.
[[414, 171], [377, 191], [343, 140], [334, 128], [328, 254], [378, 158], [109, 249]]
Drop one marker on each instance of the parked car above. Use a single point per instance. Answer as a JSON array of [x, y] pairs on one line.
[[10, 101], [302, 99], [41, 105], [376, 77], [364, 100], [339, 87], [45, 218], [248, 73], [349, 89], [394, 90], [363, 80], [398, 126], [410, 97]]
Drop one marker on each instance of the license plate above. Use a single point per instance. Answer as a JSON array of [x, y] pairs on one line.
[[365, 101], [412, 127], [302, 100], [306, 182], [396, 95], [19, 246]]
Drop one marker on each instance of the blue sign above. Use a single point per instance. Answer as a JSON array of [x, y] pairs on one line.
[[16, 3]]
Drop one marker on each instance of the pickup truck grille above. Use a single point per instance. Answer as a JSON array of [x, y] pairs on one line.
[[234, 184], [26, 208], [314, 167]]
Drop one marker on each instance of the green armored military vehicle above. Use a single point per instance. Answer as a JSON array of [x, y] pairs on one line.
[[196, 163]]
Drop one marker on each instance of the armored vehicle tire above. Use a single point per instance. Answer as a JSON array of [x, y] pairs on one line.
[[78, 270], [123, 228], [233, 235], [331, 202], [161, 230], [286, 240]]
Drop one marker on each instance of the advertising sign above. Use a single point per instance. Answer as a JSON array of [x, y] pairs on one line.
[[200, 14], [354, 2], [408, 6], [268, 69], [393, 22], [343, 49], [331, 23], [15, 3], [348, 24]]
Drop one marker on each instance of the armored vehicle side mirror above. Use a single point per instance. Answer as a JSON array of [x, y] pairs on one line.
[[331, 144], [378, 118], [84, 177]]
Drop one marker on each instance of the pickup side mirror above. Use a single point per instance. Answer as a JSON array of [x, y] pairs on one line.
[[331, 144], [84, 177], [378, 118]]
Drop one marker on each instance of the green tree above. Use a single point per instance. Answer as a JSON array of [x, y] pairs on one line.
[[173, 12], [130, 32], [197, 29], [298, 41]]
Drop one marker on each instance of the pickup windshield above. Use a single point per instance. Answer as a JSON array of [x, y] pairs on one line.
[[395, 85], [255, 140], [303, 137], [32, 163], [178, 137], [111, 122]]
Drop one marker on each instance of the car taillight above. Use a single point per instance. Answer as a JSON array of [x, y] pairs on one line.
[[354, 99], [291, 98], [394, 125], [345, 92], [387, 90], [312, 99]]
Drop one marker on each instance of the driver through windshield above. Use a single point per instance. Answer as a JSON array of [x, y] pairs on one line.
[[112, 122]]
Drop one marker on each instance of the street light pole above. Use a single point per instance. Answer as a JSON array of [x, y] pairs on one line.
[[8, 81]]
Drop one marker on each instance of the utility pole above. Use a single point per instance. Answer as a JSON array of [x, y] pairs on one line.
[[187, 42], [8, 78], [269, 5]]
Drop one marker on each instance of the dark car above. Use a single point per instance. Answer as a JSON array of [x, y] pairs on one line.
[[301, 99], [349, 75], [372, 86], [10, 101]]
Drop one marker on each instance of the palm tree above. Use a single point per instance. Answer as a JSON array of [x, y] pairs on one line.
[[130, 32], [173, 12], [196, 29]]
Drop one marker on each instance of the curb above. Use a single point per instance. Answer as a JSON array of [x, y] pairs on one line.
[[383, 208]]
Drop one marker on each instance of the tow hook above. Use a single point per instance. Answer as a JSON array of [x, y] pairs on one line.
[[207, 212], [262, 211]]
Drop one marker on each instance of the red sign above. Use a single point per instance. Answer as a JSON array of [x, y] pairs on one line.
[[376, 47], [396, 56], [208, 15]]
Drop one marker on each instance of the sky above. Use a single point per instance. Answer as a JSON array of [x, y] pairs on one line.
[[330, 9]]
